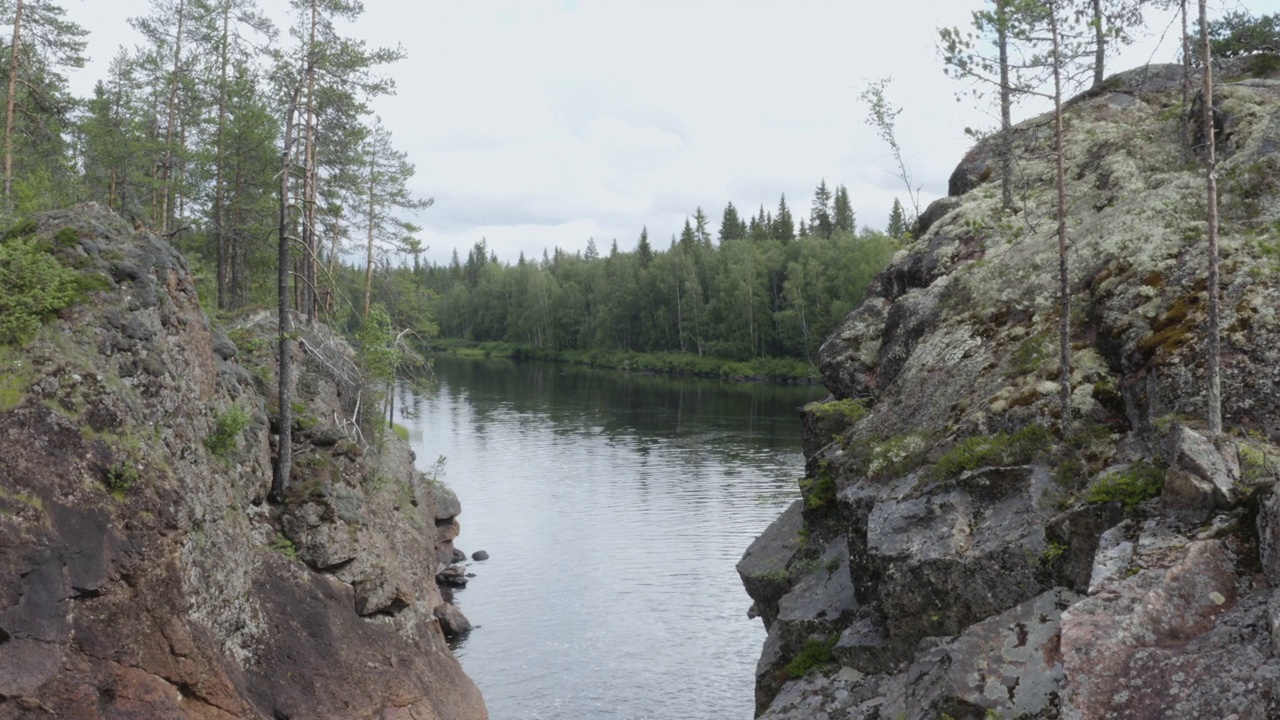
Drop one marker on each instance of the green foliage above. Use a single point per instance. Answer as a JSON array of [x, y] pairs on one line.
[[1139, 482], [401, 431], [285, 546], [120, 477], [227, 427], [36, 286], [819, 491], [849, 410], [815, 653], [1239, 33], [1023, 446], [15, 378], [1052, 554], [1032, 353]]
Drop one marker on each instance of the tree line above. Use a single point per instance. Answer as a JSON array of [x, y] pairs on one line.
[[759, 287]]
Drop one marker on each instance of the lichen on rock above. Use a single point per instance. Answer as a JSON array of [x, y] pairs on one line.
[[1124, 556], [144, 573]]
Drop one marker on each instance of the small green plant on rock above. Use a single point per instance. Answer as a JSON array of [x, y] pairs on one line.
[[36, 286], [850, 410], [815, 653], [119, 478], [227, 427], [285, 546], [820, 491], [1016, 448], [1139, 482]]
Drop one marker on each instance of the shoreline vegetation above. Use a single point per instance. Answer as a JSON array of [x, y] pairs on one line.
[[784, 371]]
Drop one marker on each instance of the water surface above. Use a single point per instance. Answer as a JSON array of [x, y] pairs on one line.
[[614, 508]]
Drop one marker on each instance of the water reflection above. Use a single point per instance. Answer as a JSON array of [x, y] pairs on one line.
[[614, 508]]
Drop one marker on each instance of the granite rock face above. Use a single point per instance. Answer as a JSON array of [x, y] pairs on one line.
[[142, 572], [1001, 561]]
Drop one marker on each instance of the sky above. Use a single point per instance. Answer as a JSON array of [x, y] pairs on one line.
[[537, 124]]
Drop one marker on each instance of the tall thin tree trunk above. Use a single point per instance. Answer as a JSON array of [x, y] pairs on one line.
[[10, 102], [167, 171], [1186, 84], [1006, 107], [312, 177], [284, 454], [219, 198], [1211, 187], [368, 268], [1064, 280], [1100, 39]]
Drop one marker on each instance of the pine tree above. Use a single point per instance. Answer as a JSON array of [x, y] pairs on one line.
[[820, 213], [731, 226], [42, 43], [897, 228], [643, 250], [784, 228], [1214, 408], [842, 211], [384, 179]]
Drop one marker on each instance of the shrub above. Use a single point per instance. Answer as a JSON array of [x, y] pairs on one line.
[[226, 430], [35, 286]]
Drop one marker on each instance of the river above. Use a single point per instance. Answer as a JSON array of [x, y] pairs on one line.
[[614, 508]]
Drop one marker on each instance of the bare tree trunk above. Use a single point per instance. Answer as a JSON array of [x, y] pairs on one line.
[[284, 454], [368, 267], [1006, 106], [1064, 280], [1211, 183], [10, 102], [312, 176], [219, 195], [1186, 84], [167, 171], [1100, 38]]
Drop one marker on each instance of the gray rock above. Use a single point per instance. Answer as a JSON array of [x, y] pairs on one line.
[[445, 501], [1268, 524], [763, 567], [1007, 665], [1211, 469], [480, 556], [821, 598], [457, 556], [452, 621]]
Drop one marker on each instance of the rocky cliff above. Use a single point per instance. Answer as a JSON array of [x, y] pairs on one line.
[[142, 572], [962, 552]]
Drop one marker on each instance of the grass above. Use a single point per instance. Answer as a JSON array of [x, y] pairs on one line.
[[401, 431], [850, 411], [815, 653], [1016, 448], [820, 491], [1139, 482]]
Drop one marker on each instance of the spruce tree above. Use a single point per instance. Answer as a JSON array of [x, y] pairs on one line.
[[842, 211], [820, 222]]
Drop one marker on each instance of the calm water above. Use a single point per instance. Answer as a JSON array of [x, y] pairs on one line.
[[614, 508]]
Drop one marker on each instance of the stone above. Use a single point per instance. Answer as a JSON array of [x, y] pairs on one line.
[[1207, 468], [1008, 665], [480, 556], [763, 567], [457, 556], [452, 621]]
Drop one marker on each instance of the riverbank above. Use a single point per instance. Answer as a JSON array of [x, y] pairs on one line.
[[789, 371]]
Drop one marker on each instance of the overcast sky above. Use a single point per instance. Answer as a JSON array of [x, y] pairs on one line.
[[542, 123]]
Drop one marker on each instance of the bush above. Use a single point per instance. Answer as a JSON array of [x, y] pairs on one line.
[[226, 430], [36, 286]]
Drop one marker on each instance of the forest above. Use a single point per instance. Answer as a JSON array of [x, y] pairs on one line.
[[254, 149]]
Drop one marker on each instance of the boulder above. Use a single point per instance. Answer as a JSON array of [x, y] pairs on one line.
[[452, 621], [764, 566], [480, 556]]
